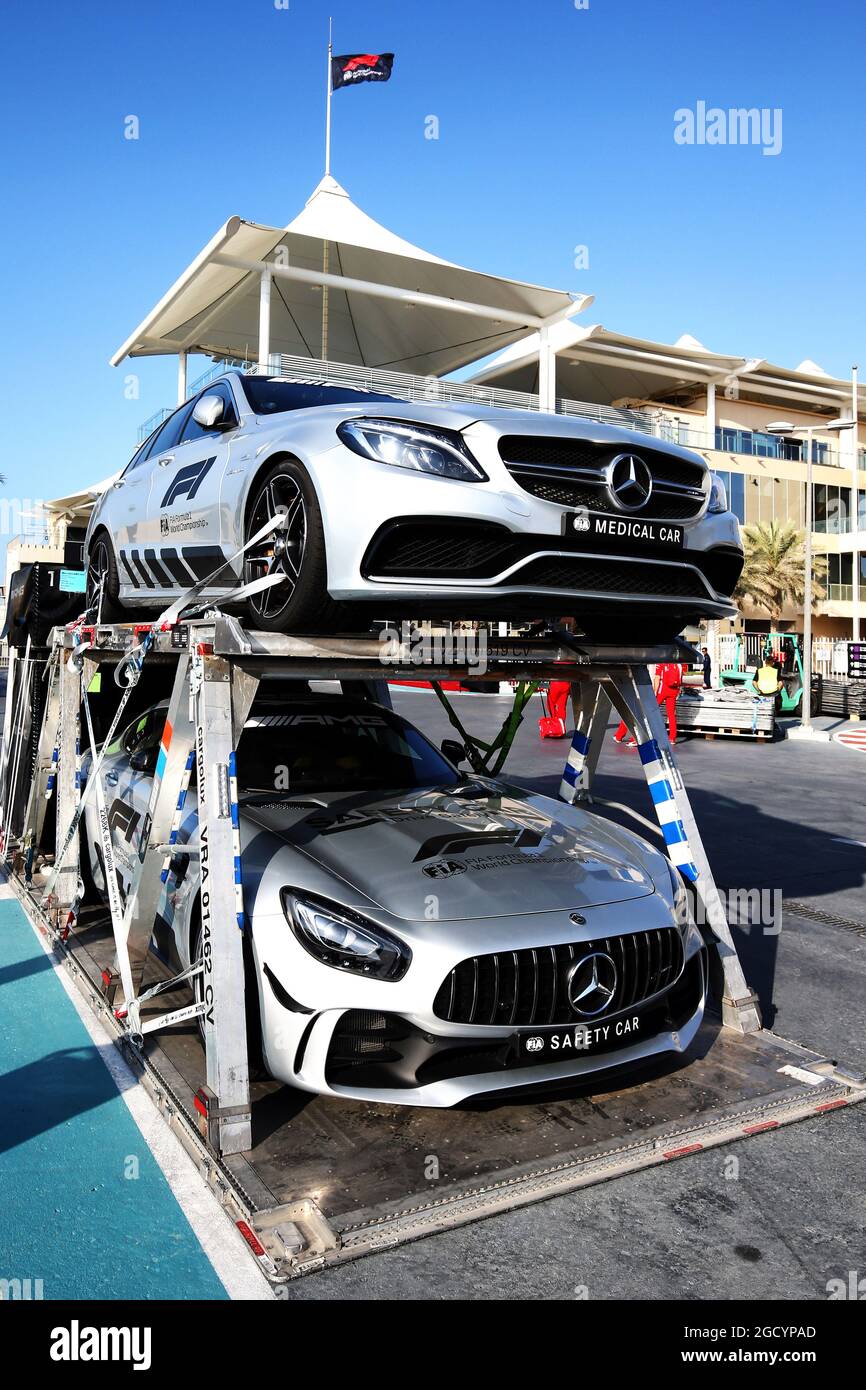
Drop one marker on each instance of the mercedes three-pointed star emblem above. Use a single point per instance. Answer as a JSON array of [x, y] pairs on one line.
[[591, 984], [629, 482]]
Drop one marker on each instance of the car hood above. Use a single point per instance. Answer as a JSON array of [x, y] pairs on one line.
[[474, 851], [468, 416]]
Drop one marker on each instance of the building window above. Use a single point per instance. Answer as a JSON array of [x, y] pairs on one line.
[[840, 583]]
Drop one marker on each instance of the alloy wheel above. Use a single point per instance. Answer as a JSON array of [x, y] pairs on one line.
[[282, 552]]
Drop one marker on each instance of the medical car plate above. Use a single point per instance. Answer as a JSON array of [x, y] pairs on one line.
[[621, 533]]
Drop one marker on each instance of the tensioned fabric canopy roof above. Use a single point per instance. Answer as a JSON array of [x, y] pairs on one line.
[[388, 304], [595, 363]]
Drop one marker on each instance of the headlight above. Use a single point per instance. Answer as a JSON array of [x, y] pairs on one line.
[[417, 447], [345, 939], [718, 494]]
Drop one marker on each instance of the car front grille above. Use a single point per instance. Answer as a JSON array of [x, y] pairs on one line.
[[610, 575], [570, 472], [528, 988]]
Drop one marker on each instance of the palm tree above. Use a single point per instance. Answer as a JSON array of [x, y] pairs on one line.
[[774, 572]]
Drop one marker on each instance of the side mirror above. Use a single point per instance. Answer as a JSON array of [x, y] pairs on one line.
[[140, 760], [209, 412], [455, 752]]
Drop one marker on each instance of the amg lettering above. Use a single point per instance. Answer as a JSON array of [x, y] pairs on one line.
[[361, 721]]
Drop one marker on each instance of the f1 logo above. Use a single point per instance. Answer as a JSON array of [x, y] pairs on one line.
[[187, 482], [123, 818]]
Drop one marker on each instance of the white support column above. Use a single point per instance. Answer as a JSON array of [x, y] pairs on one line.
[[181, 377], [265, 318], [711, 414], [546, 371]]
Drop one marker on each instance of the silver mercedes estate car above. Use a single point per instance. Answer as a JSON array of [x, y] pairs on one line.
[[411, 509], [415, 935]]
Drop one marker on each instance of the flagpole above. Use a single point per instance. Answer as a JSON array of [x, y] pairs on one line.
[[330, 90]]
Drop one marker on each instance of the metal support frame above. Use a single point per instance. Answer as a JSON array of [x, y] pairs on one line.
[[217, 669], [69, 681], [175, 750], [47, 762], [229, 1121], [631, 693]]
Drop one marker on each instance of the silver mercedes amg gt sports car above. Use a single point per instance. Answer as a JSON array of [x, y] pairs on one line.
[[415, 935], [398, 509]]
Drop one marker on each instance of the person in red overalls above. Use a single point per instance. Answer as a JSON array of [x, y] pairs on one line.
[[620, 735], [557, 697], [669, 680]]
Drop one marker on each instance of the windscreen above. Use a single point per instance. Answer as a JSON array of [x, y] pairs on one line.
[[316, 750], [268, 396]]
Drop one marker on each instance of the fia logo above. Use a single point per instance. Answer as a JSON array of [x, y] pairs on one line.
[[581, 521], [534, 1044], [163, 526], [444, 868]]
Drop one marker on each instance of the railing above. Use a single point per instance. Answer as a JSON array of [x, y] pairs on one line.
[[152, 421], [432, 388], [408, 387], [829, 654]]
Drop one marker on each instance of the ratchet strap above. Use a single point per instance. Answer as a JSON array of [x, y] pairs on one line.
[[129, 669], [487, 759]]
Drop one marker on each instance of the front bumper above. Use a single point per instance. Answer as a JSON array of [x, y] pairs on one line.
[[390, 1053], [496, 545], [486, 561]]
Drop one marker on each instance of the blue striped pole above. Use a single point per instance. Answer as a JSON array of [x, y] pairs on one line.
[[665, 806], [236, 838], [574, 766]]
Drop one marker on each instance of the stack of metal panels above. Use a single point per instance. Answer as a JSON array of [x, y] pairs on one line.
[[844, 697], [726, 712]]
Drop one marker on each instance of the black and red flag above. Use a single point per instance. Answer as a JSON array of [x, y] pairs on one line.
[[350, 68]]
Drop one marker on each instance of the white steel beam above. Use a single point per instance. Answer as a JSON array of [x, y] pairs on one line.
[[393, 292], [265, 317], [181, 377]]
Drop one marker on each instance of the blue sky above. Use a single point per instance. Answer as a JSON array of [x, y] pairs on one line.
[[556, 130]]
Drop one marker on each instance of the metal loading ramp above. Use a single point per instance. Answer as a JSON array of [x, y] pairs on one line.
[[318, 1180]]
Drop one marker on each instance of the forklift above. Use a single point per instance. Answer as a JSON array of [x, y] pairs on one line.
[[786, 651]]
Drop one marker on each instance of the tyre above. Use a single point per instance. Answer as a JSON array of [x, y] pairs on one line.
[[103, 582], [296, 551]]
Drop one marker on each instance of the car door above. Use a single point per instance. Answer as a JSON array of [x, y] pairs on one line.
[[184, 504], [127, 776], [135, 528]]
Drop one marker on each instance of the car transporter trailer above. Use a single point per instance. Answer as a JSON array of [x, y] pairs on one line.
[[312, 1180]]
